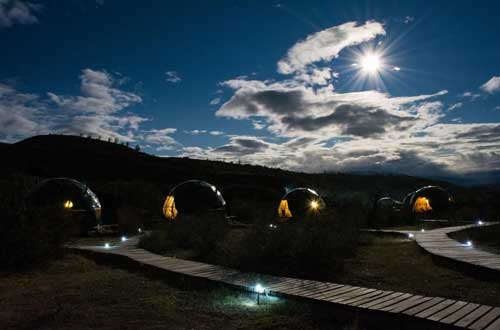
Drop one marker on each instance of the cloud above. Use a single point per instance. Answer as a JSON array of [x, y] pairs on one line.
[[216, 133], [172, 77], [215, 101], [327, 44], [409, 19], [102, 110], [100, 95], [492, 86], [455, 106], [18, 12], [469, 95], [295, 110], [20, 114], [161, 138]]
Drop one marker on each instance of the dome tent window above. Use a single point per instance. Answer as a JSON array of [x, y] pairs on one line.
[[422, 205], [69, 195], [300, 202], [191, 197]]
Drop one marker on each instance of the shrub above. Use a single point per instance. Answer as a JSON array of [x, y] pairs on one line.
[[315, 247], [200, 233]]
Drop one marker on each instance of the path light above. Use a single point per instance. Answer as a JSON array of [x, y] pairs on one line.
[[260, 290], [422, 230], [314, 205], [480, 222], [410, 235], [124, 238], [106, 245], [139, 230], [469, 243]]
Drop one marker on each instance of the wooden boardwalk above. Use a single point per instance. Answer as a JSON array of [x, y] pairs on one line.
[[437, 242], [433, 312]]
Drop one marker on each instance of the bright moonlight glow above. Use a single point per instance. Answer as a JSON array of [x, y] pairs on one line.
[[370, 63]]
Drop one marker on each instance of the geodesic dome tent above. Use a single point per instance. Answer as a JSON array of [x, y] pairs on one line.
[[300, 202], [428, 199], [69, 195], [388, 203], [193, 197]]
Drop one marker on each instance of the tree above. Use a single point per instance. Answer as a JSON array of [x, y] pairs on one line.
[[137, 148]]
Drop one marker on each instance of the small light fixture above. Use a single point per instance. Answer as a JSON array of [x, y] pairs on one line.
[[260, 290], [422, 230], [469, 243], [106, 245], [124, 238], [139, 230], [314, 205], [480, 222], [68, 204], [410, 235]]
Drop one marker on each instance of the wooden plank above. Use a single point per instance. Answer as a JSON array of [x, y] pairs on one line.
[[392, 301], [421, 307], [452, 318], [381, 300], [349, 295], [311, 286], [494, 326], [447, 311], [471, 317], [315, 289], [486, 319], [406, 304], [370, 299], [365, 298], [336, 292], [434, 309]]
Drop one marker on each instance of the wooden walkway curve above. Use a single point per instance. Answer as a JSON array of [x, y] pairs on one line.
[[437, 242], [432, 312]]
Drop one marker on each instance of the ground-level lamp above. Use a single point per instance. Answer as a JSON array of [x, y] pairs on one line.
[[260, 290], [107, 245], [411, 235], [468, 243], [124, 238]]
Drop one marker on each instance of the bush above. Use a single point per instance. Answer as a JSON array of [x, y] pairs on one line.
[[33, 238], [201, 234], [314, 248]]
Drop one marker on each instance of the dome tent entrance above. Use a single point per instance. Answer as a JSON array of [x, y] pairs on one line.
[[191, 197], [428, 199], [70, 195], [300, 202]]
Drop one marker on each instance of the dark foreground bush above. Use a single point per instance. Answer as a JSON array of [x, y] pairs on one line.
[[32, 238], [313, 248], [201, 234]]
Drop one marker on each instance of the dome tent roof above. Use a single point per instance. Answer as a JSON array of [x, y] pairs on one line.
[[300, 202], [387, 203], [65, 193], [192, 196]]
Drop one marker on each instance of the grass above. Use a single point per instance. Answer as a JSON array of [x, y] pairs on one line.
[[485, 238], [76, 293], [400, 265]]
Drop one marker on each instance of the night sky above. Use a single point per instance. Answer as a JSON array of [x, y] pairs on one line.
[[388, 86]]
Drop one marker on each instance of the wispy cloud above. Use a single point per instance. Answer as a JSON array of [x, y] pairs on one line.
[[172, 77], [215, 101], [492, 86], [455, 106], [18, 12], [327, 44]]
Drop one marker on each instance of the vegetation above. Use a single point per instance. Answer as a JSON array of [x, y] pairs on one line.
[[485, 238], [76, 293]]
